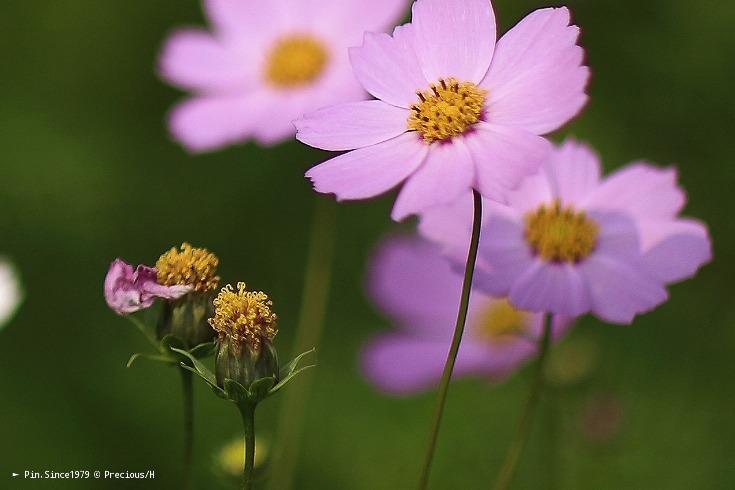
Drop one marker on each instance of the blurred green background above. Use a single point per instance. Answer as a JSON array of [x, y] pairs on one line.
[[89, 173]]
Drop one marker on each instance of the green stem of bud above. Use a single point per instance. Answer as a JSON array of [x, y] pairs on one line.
[[187, 390], [247, 411]]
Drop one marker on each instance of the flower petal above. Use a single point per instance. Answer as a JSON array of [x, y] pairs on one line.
[[11, 293], [574, 172], [681, 247], [356, 17], [351, 125], [620, 284], [550, 287], [369, 171], [410, 281], [401, 363], [503, 156], [641, 190], [194, 59], [446, 174], [235, 20], [210, 122], [387, 67], [503, 255], [454, 38], [536, 80]]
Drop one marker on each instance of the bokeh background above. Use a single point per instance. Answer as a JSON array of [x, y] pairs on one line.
[[89, 173]]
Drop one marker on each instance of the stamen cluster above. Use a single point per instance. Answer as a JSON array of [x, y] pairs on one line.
[[244, 316], [447, 109], [561, 234], [190, 266], [501, 322], [295, 61]]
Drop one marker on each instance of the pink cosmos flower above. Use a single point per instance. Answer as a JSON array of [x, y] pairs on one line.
[[128, 290], [412, 283], [455, 110], [571, 242], [11, 292], [264, 64]]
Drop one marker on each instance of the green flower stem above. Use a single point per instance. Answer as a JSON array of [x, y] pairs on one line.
[[188, 392], [317, 281], [524, 425], [145, 331], [456, 340], [247, 410]]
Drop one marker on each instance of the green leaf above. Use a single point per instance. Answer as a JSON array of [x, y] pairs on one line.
[[172, 342], [203, 350], [217, 390], [150, 357], [199, 367]]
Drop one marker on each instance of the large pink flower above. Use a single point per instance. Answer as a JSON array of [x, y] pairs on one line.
[[264, 64], [455, 110], [415, 286], [571, 242]]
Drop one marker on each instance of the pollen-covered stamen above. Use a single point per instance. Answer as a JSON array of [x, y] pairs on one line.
[[447, 109], [190, 266], [244, 316], [295, 60], [500, 322], [561, 234]]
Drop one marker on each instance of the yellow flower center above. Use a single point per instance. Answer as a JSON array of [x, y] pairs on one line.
[[560, 234], [244, 316], [447, 109], [190, 266], [500, 322], [295, 60]]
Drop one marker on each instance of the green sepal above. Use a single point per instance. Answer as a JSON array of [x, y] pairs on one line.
[[236, 392], [260, 389], [197, 367], [151, 357], [291, 370]]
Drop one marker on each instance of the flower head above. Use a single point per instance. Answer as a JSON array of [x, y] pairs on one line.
[[412, 283], [571, 242], [189, 266], [264, 64], [10, 291], [244, 316], [455, 109], [129, 289]]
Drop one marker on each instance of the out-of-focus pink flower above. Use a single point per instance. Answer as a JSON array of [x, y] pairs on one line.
[[571, 242], [412, 283], [264, 64], [456, 110], [128, 290]]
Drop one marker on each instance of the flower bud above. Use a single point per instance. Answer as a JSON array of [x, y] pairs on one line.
[[186, 318], [243, 363]]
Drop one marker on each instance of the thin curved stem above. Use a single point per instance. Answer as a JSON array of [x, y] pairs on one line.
[[456, 340], [317, 279], [188, 395], [247, 412], [524, 425]]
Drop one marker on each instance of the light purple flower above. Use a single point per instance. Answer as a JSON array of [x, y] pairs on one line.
[[456, 110], [264, 64], [571, 242], [128, 290], [413, 284]]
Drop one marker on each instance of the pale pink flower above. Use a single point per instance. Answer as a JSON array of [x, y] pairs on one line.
[[456, 110], [128, 290], [571, 242], [11, 292], [418, 290], [264, 64]]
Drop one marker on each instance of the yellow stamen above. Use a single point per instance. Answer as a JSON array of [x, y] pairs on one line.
[[561, 234], [191, 266], [447, 109], [501, 322], [295, 60], [244, 316]]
